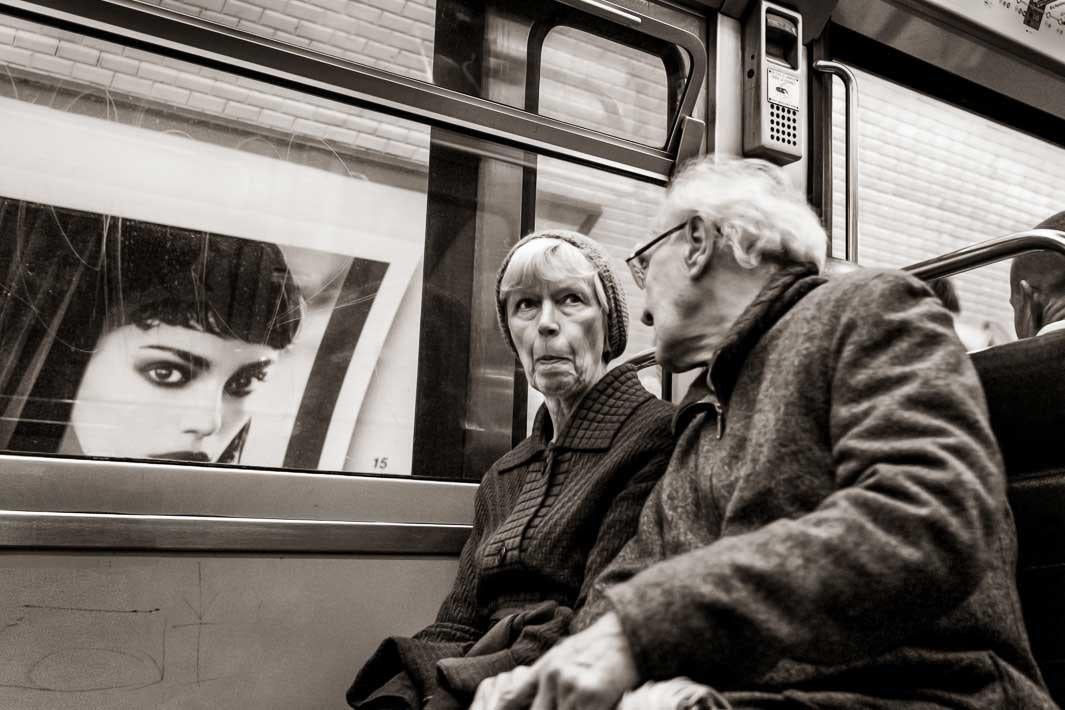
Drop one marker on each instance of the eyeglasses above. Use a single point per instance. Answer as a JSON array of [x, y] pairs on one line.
[[637, 261]]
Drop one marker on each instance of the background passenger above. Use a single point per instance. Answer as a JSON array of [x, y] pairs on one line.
[[1037, 287], [972, 337], [832, 531], [162, 337], [553, 511]]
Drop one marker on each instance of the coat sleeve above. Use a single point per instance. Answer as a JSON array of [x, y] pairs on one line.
[[905, 537], [411, 662]]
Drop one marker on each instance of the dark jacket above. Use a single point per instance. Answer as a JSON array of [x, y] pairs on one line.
[[547, 519], [832, 531]]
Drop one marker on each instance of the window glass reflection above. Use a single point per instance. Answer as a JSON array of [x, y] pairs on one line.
[[596, 83], [473, 46], [394, 35]]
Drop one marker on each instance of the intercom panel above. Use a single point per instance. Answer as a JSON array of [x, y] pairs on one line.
[[774, 73]]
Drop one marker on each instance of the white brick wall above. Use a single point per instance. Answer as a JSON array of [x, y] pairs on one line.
[[139, 74], [934, 178], [585, 79]]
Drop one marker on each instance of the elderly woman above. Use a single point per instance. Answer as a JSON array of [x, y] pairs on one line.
[[554, 510]]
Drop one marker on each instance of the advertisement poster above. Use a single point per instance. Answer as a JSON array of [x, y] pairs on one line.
[[206, 305]]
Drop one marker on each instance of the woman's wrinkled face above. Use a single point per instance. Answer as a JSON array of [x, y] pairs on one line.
[[166, 392], [558, 330]]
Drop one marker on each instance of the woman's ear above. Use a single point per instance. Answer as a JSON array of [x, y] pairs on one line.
[[699, 251]]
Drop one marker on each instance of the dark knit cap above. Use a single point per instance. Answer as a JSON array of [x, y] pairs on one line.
[[617, 319]]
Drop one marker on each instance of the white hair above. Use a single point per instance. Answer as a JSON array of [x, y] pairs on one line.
[[758, 212], [550, 260]]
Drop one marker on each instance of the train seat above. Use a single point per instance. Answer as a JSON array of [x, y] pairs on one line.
[[1025, 386]]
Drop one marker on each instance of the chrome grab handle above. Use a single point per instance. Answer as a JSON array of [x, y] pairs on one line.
[[988, 252], [851, 128]]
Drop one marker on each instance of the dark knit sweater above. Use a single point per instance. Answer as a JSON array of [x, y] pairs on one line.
[[832, 531], [547, 518]]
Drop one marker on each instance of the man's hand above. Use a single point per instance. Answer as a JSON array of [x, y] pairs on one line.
[[588, 671]]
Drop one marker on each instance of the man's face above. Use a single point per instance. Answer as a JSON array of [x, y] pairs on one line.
[[690, 299], [668, 295]]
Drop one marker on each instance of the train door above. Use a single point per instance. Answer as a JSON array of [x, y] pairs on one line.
[[326, 188]]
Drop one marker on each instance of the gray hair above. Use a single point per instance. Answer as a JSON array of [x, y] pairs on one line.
[[550, 260], [758, 212]]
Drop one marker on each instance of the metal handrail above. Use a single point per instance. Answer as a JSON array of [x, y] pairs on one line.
[[851, 129], [646, 358], [989, 252], [642, 359]]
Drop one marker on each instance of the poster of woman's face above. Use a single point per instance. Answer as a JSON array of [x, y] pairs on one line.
[[131, 340], [166, 392]]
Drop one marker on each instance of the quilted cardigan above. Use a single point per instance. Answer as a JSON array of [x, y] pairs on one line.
[[548, 517]]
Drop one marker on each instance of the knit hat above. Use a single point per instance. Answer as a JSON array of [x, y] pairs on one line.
[[617, 319]]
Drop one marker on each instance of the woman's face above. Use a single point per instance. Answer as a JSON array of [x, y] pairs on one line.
[[166, 392], [558, 330]]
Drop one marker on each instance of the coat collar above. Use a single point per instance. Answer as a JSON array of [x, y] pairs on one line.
[[598, 418], [714, 384]]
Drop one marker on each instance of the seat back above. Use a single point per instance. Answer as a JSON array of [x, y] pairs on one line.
[[1025, 386]]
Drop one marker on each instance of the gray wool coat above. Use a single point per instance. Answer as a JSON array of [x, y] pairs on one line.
[[832, 530]]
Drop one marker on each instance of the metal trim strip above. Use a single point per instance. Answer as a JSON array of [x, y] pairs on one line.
[[94, 531], [958, 46], [50, 483], [229, 49]]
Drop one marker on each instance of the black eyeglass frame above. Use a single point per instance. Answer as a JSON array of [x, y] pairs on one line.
[[636, 267]]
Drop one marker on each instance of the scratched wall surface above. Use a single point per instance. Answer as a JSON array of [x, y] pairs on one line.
[[133, 632]]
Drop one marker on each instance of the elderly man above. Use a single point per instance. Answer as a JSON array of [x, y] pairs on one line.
[[1037, 287], [832, 530]]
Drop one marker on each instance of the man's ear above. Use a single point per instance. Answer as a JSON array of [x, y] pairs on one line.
[[1029, 313], [699, 251]]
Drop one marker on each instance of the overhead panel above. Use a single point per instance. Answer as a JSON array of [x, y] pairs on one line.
[[1038, 25]]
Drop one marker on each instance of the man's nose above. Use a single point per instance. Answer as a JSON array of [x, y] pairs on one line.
[[203, 417]]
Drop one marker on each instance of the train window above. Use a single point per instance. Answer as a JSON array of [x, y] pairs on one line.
[[621, 91], [587, 79], [934, 178], [200, 267]]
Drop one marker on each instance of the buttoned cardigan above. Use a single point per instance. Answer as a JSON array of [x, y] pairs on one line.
[[548, 516]]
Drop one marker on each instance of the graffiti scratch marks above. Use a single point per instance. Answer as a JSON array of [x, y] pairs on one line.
[[72, 649]]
